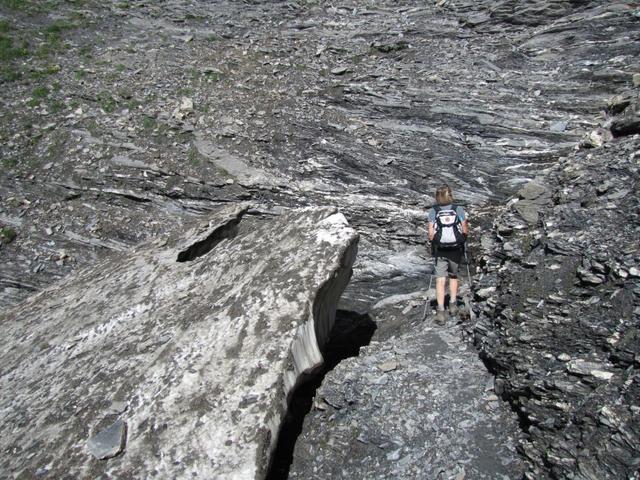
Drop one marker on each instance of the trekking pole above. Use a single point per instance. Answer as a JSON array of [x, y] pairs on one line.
[[469, 293], [466, 259], [427, 301]]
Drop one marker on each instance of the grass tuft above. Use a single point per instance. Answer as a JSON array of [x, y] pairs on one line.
[[7, 234], [107, 102], [10, 52]]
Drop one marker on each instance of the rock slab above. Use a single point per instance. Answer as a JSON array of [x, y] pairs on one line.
[[109, 442], [197, 356]]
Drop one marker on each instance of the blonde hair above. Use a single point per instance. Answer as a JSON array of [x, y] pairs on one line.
[[444, 195]]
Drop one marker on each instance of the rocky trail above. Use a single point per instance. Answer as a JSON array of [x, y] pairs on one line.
[[123, 123]]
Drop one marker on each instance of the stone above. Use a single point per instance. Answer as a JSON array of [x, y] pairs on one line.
[[601, 374], [234, 311], [108, 442], [231, 164], [186, 104], [477, 19], [118, 407], [416, 421], [528, 211], [583, 368], [590, 278], [628, 125], [339, 70], [534, 191], [559, 127], [585, 321], [618, 103], [598, 137], [388, 366], [636, 80], [485, 293]]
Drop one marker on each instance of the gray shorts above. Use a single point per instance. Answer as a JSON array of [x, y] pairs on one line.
[[446, 267]]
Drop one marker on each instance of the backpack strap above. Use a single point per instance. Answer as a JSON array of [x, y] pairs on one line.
[[454, 207], [434, 246]]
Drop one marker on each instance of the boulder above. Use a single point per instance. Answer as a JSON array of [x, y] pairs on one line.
[[532, 198], [173, 360]]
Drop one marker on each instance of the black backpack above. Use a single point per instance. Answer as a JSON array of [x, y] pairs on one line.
[[448, 228]]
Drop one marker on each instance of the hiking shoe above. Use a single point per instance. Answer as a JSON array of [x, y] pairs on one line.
[[441, 317], [453, 309]]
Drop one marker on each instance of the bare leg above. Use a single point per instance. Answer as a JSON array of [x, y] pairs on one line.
[[440, 283], [453, 290]]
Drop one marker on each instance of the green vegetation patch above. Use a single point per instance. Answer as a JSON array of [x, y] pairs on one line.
[[107, 102], [52, 37], [40, 92], [9, 162], [194, 156], [16, 5], [5, 26], [56, 106], [44, 72], [213, 76], [37, 95], [7, 234], [28, 7], [56, 28], [148, 123], [9, 51]]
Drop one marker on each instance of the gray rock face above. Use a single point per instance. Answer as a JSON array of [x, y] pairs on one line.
[[155, 113], [416, 403], [558, 317], [197, 356]]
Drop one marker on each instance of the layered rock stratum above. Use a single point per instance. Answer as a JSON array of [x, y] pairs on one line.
[[124, 122], [558, 305]]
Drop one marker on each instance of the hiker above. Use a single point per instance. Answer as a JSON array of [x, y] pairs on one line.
[[448, 229]]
